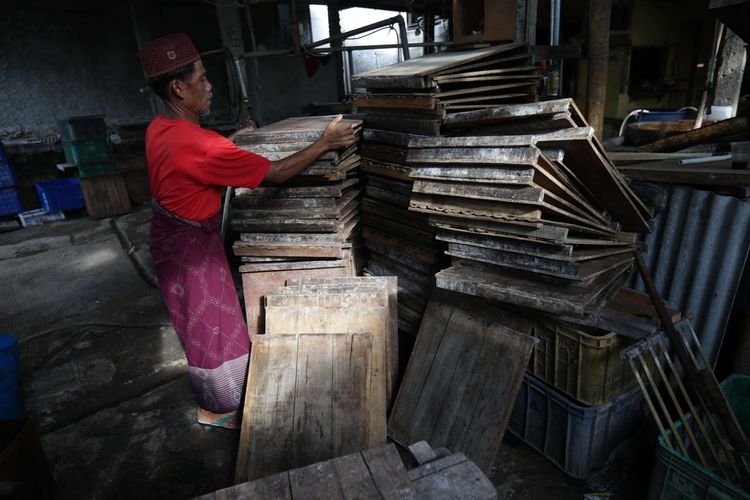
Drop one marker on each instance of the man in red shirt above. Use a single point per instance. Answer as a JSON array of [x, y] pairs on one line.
[[188, 167]]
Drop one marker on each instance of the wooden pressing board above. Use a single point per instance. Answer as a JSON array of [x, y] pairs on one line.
[[307, 400], [462, 378]]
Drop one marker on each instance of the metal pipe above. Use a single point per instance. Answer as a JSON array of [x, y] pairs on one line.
[[380, 24], [384, 46]]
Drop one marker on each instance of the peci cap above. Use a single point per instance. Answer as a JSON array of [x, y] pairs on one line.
[[167, 53]]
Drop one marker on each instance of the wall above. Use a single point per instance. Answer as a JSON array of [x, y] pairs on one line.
[[64, 58]]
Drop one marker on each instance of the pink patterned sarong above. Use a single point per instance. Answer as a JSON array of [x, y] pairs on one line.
[[197, 286]]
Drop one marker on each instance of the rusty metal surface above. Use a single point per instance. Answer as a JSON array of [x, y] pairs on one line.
[[696, 254]]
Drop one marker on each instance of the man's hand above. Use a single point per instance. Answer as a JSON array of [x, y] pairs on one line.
[[338, 135]]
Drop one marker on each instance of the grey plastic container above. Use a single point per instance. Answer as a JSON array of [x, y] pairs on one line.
[[576, 438]]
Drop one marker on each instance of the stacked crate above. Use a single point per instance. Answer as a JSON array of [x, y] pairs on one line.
[[307, 227], [84, 142], [10, 196]]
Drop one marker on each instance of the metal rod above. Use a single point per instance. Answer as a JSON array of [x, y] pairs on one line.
[[703, 381], [349, 48], [404, 42]]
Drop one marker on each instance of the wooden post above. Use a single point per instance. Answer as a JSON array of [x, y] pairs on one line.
[[598, 59], [334, 28]]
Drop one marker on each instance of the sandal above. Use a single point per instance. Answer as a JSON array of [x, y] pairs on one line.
[[225, 422]]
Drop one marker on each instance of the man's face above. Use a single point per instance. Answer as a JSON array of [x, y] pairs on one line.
[[197, 91]]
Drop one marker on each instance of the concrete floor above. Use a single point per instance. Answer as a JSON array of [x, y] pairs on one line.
[[104, 377]]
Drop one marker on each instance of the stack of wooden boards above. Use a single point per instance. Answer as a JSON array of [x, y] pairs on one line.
[[415, 95], [400, 243], [374, 473], [306, 227], [534, 220], [323, 376]]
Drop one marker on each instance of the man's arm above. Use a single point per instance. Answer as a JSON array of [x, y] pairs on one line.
[[336, 135]]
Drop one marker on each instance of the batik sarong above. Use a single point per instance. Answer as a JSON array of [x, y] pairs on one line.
[[199, 292]]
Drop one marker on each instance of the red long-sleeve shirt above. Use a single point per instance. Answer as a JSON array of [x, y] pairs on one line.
[[188, 167]]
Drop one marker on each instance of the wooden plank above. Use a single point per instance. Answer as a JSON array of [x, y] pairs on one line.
[[421, 126], [536, 110], [509, 62], [506, 194], [444, 95], [505, 242], [318, 480], [389, 137], [105, 195], [390, 286], [461, 363], [296, 129], [420, 67], [402, 101], [268, 413], [464, 78], [275, 486], [485, 72], [375, 208], [414, 251], [398, 200], [386, 169], [490, 141], [384, 153], [306, 391], [326, 191], [335, 314], [450, 477], [484, 280], [257, 283], [684, 175], [554, 234], [472, 156], [388, 472], [354, 478], [476, 209], [510, 174]]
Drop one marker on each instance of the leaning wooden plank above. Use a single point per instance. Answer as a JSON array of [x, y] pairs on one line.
[[710, 133], [491, 282], [261, 279], [444, 95], [460, 79], [454, 476], [345, 313], [412, 73], [291, 414], [461, 365], [417, 252], [504, 242], [510, 62]]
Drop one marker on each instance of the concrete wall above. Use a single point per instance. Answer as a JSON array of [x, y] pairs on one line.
[[64, 58], [61, 58]]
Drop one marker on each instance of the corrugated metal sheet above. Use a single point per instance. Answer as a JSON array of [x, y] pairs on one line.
[[696, 253]]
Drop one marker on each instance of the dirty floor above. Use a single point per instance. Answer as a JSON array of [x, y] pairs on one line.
[[105, 379]]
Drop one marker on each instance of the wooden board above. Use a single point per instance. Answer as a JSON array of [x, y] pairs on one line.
[[491, 282], [453, 476], [413, 72], [695, 175], [390, 286], [307, 400], [297, 129], [325, 191], [258, 280], [461, 381], [341, 313], [474, 156], [105, 195]]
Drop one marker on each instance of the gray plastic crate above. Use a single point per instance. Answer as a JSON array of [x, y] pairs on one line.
[[574, 437]]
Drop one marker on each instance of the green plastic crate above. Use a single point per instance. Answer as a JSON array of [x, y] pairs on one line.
[[677, 477], [86, 152], [582, 362], [90, 170]]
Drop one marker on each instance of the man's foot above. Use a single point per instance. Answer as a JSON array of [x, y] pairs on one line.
[[224, 420]]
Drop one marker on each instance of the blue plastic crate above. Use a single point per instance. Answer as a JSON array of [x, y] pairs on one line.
[[10, 201], [576, 438], [7, 177], [60, 195]]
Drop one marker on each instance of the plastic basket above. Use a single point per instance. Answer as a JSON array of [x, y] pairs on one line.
[[96, 169], [86, 152], [10, 201], [582, 362], [675, 476], [60, 194], [7, 177], [576, 438], [82, 128]]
